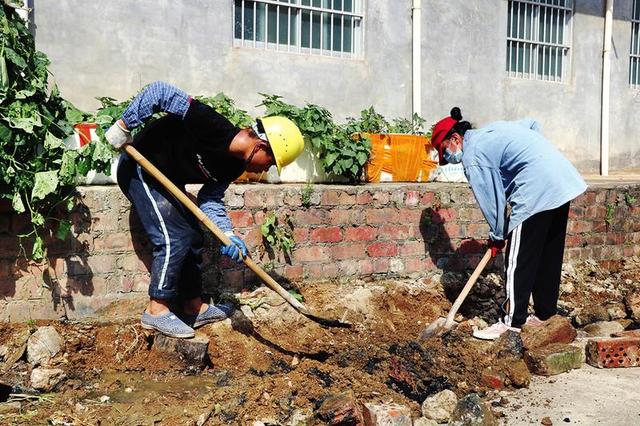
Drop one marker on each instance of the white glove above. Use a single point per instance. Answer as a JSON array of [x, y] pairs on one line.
[[118, 135]]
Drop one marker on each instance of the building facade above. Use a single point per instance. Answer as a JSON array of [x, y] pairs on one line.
[[496, 59]]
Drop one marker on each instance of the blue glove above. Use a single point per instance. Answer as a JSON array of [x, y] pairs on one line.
[[237, 250]]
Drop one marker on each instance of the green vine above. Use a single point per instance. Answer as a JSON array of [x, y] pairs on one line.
[[275, 236], [305, 197]]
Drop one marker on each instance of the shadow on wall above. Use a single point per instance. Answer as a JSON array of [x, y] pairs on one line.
[[66, 270]]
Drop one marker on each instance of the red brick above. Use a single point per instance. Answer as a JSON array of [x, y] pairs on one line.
[[614, 352], [381, 265], [293, 272], [453, 230], [378, 216], [412, 198], [573, 241], [394, 232], [241, 218], [576, 212], [348, 251], [339, 217], [471, 246], [253, 238], [337, 198], [330, 270], [443, 215], [427, 199], [411, 248], [326, 235], [382, 249], [364, 198], [313, 271], [300, 235], [579, 226], [104, 221], [414, 264], [409, 215], [113, 241], [380, 198], [365, 267], [259, 199], [311, 254], [361, 233], [309, 217]]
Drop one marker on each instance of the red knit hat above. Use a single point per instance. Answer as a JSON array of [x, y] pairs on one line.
[[442, 128]]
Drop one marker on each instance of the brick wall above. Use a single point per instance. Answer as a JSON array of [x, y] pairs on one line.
[[391, 230]]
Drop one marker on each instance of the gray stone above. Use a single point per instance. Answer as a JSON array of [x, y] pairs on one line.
[[616, 311], [440, 406], [45, 379], [299, 418], [603, 328], [509, 344], [191, 351], [592, 313], [471, 410], [387, 415], [44, 344]]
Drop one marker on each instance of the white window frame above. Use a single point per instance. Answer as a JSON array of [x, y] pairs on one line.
[[293, 10], [634, 49], [530, 56]]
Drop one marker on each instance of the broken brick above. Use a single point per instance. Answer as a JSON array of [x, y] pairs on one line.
[[627, 333], [387, 415], [553, 359], [632, 302], [556, 329], [493, 379], [341, 409], [614, 353]]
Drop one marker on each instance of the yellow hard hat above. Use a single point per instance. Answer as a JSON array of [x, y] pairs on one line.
[[284, 138]]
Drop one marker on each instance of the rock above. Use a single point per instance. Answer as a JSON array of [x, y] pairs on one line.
[[439, 406], [627, 333], [616, 311], [556, 329], [44, 344], [603, 328], [509, 344], [45, 379], [423, 421], [387, 415], [632, 302], [16, 347], [491, 378], [10, 407], [471, 410], [614, 352], [299, 418], [4, 350], [553, 359], [546, 421], [592, 313], [518, 373], [191, 351], [341, 409]]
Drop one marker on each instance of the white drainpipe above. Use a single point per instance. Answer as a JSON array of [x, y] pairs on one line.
[[606, 83], [415, 58]]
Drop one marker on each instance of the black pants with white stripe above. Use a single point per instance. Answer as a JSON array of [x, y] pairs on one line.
[[533, 264]]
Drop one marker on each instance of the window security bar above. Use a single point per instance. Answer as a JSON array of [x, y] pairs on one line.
[[634, 56], [317, 27], [537, 39]]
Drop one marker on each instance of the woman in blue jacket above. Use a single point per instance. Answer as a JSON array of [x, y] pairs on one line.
[[512, 164]]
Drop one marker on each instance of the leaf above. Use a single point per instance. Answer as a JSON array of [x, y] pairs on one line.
[[45, 183], [52, 142], [64, 229], [38, 248], [17, 204], [37, 219]]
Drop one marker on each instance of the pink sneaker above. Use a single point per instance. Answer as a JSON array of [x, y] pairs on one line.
[[494, 331], [534, 321]]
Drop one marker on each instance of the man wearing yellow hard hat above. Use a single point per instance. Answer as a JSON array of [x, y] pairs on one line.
[[192, 143]]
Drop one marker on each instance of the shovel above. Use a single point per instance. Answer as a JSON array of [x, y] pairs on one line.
[[297, 305], [442, 325]]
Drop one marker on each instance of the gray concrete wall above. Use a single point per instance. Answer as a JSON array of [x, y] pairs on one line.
[[114, 48]]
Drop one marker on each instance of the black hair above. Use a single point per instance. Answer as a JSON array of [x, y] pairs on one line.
[[460, 127]]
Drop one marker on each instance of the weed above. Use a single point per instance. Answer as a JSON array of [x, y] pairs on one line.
[[277, 237], [297, 296], [629, 199], [608, 218], [307, 191]]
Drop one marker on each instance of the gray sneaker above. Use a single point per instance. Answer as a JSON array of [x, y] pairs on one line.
[[167, 324], [213, 313]]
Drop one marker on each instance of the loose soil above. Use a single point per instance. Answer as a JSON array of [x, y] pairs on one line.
[[271, 364]]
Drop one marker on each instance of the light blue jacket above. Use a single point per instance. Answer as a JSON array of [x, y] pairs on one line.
[[510, 162]]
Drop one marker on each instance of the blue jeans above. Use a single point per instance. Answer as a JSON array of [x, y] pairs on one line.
[[175, 233]]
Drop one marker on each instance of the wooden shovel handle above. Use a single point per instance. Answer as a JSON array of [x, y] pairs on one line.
[[202, 217], [467, 287]]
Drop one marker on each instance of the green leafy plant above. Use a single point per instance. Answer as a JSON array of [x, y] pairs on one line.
[[275, 236], [307, 191], [629, 199], [413, 126], [37, 170], [296, 295], [608, 218], [342, 151]]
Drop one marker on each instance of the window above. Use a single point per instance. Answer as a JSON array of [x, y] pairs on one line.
[[317, 27], [538, 39], [634, 60]]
